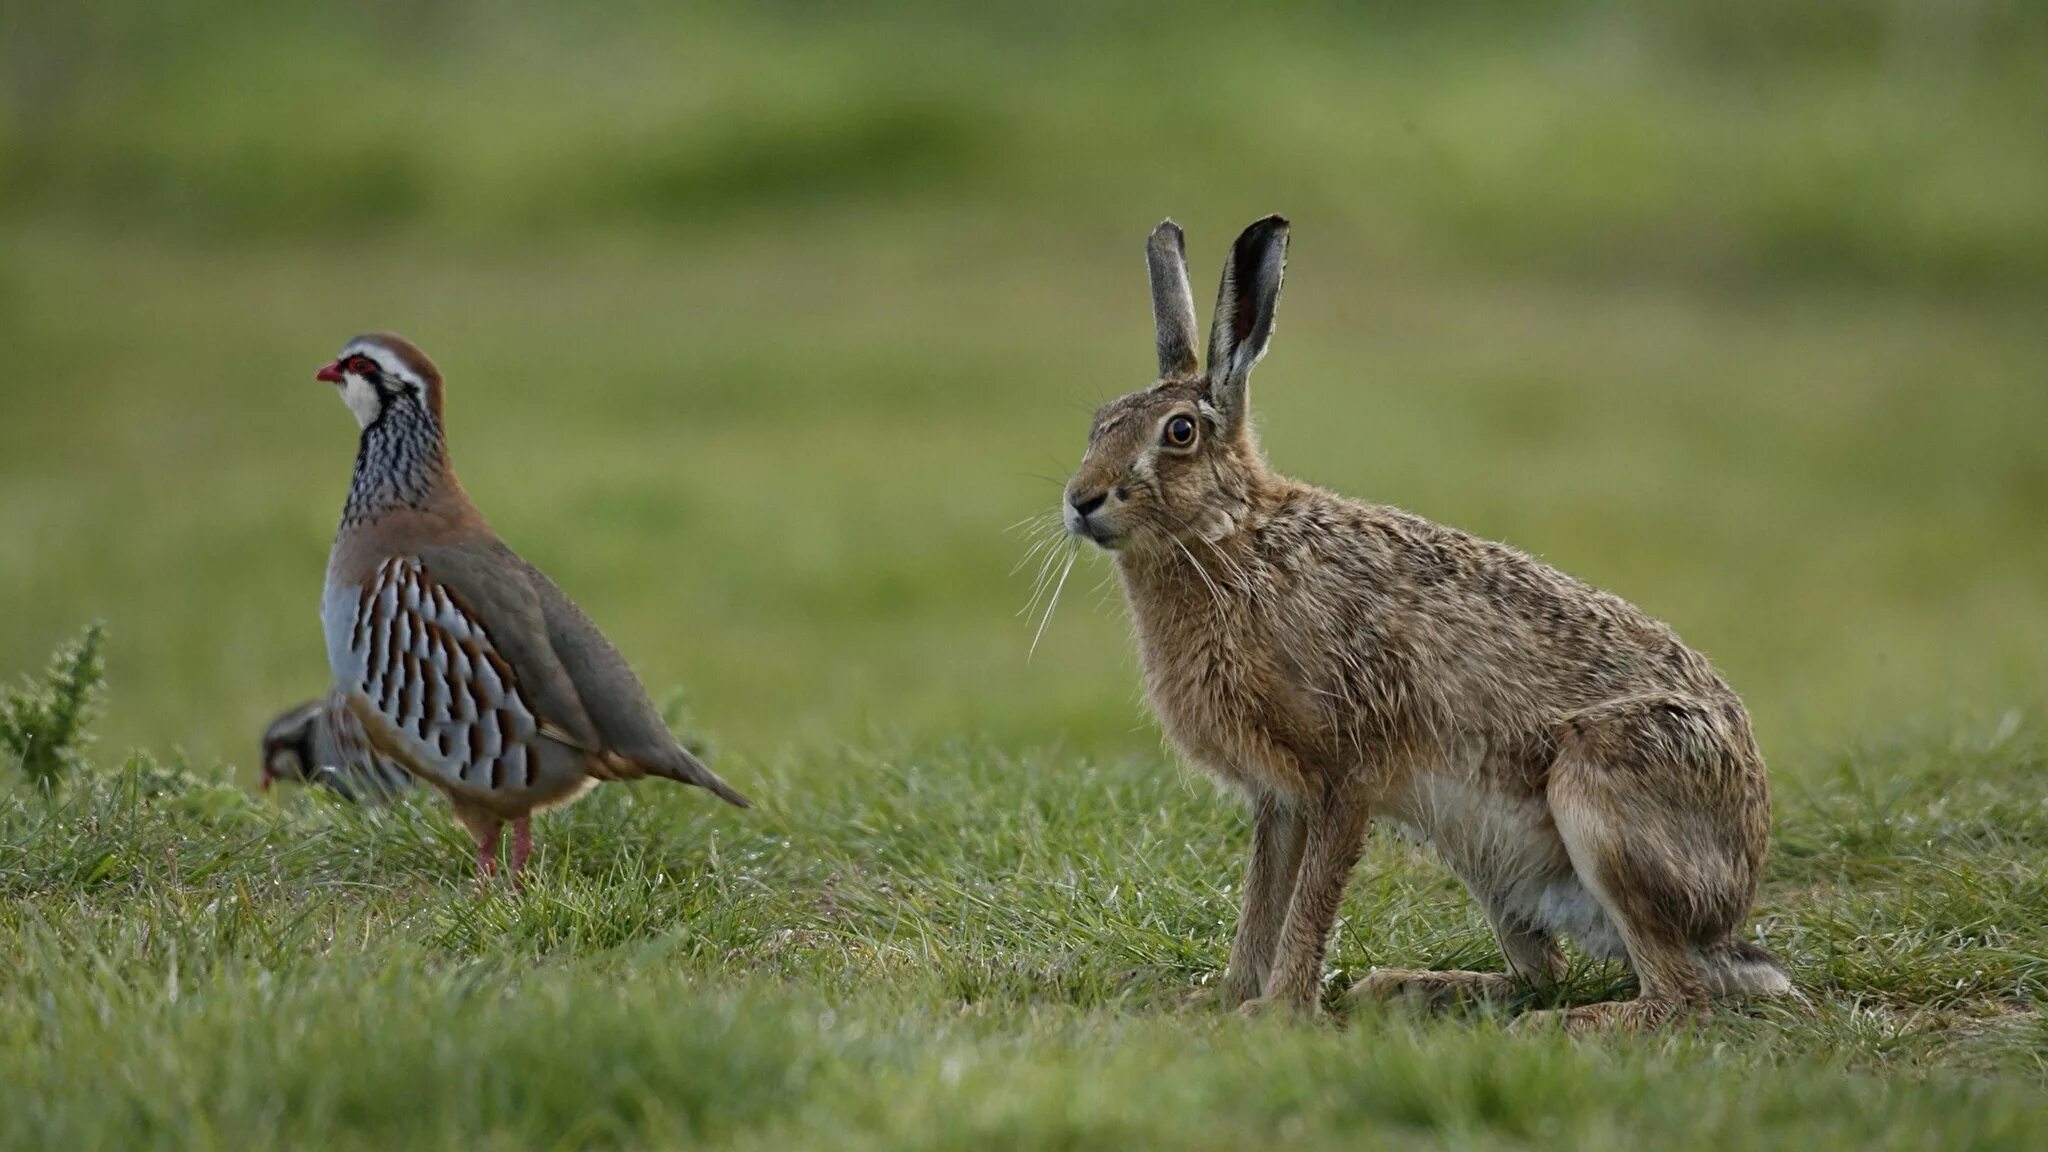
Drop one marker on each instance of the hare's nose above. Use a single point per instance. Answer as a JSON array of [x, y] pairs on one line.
[[1083, 505]]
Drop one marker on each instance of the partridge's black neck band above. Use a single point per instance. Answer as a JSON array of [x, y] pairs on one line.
[[397, 463]]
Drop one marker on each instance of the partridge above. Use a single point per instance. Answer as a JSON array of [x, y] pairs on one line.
[[459, 660], [320, 742]]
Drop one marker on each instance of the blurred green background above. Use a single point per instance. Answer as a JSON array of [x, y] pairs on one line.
[[763, 326]]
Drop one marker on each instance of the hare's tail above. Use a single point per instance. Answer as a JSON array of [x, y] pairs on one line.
[[1737, 968]]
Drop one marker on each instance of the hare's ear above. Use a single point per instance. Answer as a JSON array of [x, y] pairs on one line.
[[1173, 302], [1244, 314]]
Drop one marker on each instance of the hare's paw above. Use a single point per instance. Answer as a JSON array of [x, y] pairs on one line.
[[1285, 1007], [1207, 998], [1432, 990], [1612, 1016], [1223, 995]]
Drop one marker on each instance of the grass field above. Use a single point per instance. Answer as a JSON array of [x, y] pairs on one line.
[[762, 330]]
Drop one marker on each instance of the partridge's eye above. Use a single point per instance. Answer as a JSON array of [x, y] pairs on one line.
[[362, 366], [1180, 431]]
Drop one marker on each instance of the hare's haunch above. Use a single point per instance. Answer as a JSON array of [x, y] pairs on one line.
[[1585, 773]]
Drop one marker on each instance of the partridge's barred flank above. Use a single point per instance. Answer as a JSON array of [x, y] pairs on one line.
[[319, 742], [1586, 774], [446, 693], [452, 656]]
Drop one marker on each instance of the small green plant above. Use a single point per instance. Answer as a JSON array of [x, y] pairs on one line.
[[46, 723]]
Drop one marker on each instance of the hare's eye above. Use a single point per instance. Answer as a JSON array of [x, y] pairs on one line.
[[1180, 431]]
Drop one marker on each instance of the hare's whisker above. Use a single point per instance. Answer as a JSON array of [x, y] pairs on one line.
[[1214, 593], [1032, 552], [1044, 575], [1053, 603], [1239, 580]]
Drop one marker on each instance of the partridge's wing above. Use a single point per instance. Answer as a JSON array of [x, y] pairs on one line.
[[622, 716], [494, 586], [626, 721], [432, 686]]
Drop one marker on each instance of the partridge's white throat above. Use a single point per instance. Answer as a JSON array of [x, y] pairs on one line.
[[458, 659]]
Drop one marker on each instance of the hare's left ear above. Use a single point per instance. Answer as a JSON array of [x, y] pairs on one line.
[[1244, 315], [1173, 302]]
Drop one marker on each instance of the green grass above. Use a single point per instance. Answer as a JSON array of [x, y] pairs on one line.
[[763, 327], [952, 946]]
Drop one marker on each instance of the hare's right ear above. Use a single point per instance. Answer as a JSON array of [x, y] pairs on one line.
[[1244, 314], [1173, 302]]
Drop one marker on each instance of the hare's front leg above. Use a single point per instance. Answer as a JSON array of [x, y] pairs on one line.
[[1336, 822], [1278, 832]]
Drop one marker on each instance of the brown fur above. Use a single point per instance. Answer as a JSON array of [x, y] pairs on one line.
[[1582, 770]]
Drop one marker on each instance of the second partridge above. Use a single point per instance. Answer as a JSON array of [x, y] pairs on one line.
[[319, 742]]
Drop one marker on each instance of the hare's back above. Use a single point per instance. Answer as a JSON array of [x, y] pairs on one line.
[[1456, 608]]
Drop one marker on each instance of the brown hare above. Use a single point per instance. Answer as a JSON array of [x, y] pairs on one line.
[[1581, 770]]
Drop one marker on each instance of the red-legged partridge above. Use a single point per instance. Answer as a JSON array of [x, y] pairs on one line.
[[320, 742], [460, 660]]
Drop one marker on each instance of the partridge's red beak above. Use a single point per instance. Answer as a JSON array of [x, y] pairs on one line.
[[330, 373], [269, 778]]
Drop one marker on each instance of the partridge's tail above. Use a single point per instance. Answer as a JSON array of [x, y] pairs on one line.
[[681, 766]]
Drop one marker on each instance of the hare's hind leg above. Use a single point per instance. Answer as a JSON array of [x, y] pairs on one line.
[[1662, 806], [1279, 830]]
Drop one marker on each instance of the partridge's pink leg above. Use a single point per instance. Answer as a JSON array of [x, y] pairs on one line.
[[487, 856], [522, 845]]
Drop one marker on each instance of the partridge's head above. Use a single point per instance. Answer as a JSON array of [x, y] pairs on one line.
[[288, 745], [380, 373]]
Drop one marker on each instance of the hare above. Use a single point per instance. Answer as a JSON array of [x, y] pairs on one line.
[[1582, 771]]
